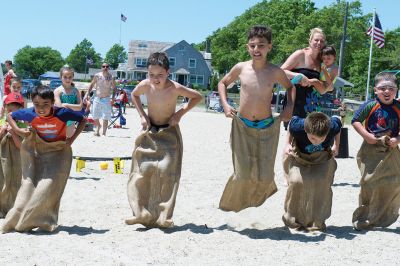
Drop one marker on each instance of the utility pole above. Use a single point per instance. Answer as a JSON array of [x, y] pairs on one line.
[[342, 46]]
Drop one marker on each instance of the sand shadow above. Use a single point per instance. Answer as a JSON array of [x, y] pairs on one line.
[[81, 230], [194, 228], [84, 178], [278, 233], [71, 230], [350, 157], [345, 184], [388, 230], [343, 232]]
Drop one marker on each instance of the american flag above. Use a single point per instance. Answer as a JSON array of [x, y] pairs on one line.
[[379, 37], [89, 61], [123, 18]]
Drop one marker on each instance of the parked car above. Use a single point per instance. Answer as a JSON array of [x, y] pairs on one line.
[[128, 89], [28, 85], [55, 83]]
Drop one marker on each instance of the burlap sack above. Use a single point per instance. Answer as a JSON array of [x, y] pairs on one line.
[[154, 178], [10, 173], [379, 199], [253, 157], [45, 171], [309, 196]]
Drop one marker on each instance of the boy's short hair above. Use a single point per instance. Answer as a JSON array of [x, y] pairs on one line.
[[385, 76], [317, 124], [260, 31], [158, 59], [328, 50], [43, 92], [8, 62]]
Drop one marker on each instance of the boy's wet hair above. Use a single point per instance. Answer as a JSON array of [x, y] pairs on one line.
[[328, 50], [386, 76], [158, 59], [66, 68], [317, 124], [43, 92], [16, 79], [260, 31]]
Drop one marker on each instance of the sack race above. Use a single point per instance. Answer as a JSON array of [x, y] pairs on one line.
[[379, 199], [154, 178], [253, 157], [10, 173], [308, 200], [45, 171]]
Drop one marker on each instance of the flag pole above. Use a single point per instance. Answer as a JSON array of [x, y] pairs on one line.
[[370, 55], [120, 23], [85, 66]]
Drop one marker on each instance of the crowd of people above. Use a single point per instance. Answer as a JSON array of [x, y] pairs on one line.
[[42, 136]]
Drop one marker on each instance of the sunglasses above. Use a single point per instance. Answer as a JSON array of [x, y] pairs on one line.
[[384, 88], [105, 66]]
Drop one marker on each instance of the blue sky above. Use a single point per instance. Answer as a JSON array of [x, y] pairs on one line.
[[62, 25]]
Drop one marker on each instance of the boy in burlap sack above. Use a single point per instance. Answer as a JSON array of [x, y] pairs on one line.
[[379, 156], [10, 166], [311, 168], [46, 158], [255, 132], [157, 156]]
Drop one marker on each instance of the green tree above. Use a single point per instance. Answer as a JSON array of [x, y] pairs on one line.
[[291, 21], [214, 82], [34, 61], [116, 55], [77, 57]]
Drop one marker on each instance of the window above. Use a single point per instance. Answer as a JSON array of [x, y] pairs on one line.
[[197, 79], [141, 62], [172, 61], [181, 48], [142, 45], [141, 75], [200, 79], [192, 63], [193, 79]]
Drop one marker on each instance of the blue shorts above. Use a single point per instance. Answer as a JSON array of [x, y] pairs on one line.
[[259, 124]]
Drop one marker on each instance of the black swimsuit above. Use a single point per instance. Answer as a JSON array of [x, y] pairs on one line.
[[307, 98]]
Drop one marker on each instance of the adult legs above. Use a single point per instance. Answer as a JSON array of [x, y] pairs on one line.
[[98, 126], [105, 125]]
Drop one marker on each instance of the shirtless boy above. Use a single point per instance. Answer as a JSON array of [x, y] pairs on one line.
[[255, 132], [157, 157]]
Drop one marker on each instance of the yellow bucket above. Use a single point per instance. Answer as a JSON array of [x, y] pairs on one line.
[[103, 165]]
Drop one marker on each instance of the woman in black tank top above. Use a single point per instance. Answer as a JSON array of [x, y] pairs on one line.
[[307, 62]]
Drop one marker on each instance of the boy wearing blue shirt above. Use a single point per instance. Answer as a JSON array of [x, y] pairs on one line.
[[311, 169], [46, 158], [379, 157]]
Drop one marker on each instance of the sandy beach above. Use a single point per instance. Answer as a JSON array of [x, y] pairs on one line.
[[94, 205]]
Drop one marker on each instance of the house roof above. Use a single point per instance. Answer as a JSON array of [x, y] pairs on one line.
[[182, 71], [142, 48]]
